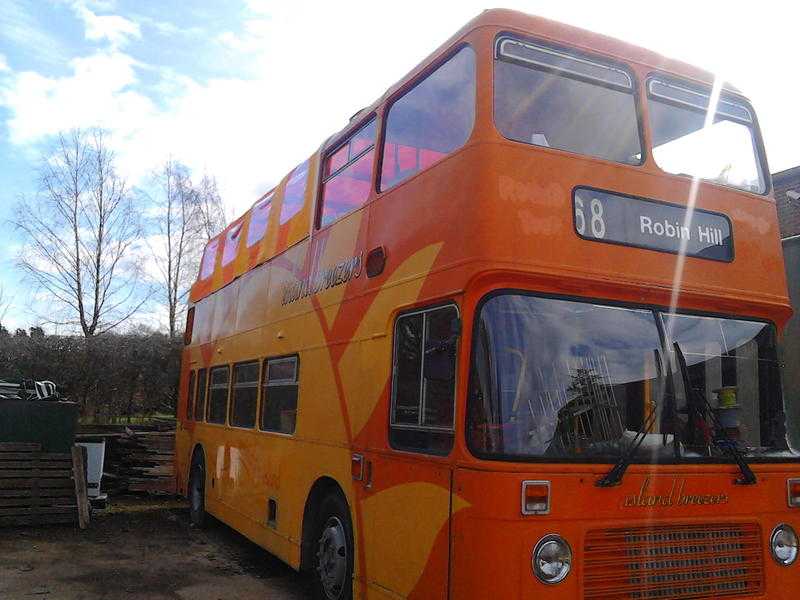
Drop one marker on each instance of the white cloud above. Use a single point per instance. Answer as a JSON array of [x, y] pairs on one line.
[[98, 92], [307, 76], [4, 68], [113, 28]]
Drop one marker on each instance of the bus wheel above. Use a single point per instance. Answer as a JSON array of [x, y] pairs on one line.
[[197, 494], [333, 551]]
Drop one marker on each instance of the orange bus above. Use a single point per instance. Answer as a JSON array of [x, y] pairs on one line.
[[511, 333]]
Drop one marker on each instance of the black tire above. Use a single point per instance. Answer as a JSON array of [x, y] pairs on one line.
[[197, 492], [332, 551]]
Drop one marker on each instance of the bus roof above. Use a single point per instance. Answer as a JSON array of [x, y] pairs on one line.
[[215, 272]]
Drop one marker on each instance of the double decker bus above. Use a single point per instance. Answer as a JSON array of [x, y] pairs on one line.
[[511, 333]]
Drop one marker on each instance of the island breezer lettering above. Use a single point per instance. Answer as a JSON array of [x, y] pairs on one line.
[[676, 496]]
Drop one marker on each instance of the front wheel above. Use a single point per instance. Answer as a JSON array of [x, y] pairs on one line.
[[333, 551], [197, 494]]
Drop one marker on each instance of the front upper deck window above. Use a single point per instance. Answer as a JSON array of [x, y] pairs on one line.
[[559, 99], [559, 379], [347, 175], [431, 120], [722, 149]]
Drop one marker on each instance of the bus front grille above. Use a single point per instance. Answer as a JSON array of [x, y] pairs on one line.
[[673, 561]]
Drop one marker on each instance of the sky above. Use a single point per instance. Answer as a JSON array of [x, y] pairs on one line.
[[245, 89]]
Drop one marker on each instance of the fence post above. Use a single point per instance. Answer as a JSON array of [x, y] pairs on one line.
[[81, 494]]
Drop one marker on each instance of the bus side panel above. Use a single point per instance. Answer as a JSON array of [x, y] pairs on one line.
[[288, 469]]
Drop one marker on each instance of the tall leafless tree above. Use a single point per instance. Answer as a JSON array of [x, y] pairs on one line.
[[211, 208], [186, 216], [80, 230]]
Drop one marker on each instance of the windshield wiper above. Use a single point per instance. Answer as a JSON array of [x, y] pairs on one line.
[[617, 472], [727, 446]]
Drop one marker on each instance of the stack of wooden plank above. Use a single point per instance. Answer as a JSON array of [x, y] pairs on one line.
[[36, 488], [140, 461]]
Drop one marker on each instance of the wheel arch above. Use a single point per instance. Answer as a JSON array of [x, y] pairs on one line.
[[321, 489], [198, 453]]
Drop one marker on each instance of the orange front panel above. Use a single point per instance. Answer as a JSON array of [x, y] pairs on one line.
[[623, 538]]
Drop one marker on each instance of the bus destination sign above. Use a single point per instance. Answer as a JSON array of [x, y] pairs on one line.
[[613, 218]]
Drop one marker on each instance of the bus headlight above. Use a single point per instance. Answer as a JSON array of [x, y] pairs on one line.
[[552, 559], [783, 544]]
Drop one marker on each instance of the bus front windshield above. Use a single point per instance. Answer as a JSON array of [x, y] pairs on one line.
[[559, 379]]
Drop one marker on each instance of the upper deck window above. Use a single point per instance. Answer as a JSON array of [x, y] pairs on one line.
[[431, 120], [686, 141], [558, 99], [259, 217], [231, 244], [295, 192], [347, 175], [209, 259]]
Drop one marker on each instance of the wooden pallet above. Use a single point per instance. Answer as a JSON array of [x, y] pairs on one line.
[[36, 488], [141, 461]]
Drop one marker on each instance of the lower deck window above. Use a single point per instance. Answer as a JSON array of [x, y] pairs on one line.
[[245, 395], [190, 397], [280, 388], [218, 395], [423, 381], [200, 396]]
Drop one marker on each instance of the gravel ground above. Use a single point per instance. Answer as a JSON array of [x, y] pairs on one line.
[[141, 549]]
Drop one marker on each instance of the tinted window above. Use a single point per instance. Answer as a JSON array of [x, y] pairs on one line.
[[209, 259], [200, 399], [279, 404], [190, 397], [348, 173], [423, 388], [294, 193], [245, 395], [231, 244], [431, 120], [218, 395], [259, 217], [551, 98]]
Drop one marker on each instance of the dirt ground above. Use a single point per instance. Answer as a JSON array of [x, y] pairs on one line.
[[141, 549]]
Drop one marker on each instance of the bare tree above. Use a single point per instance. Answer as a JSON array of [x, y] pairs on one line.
[[79, 231], [186, 217], [211, 208], [5, 303]]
